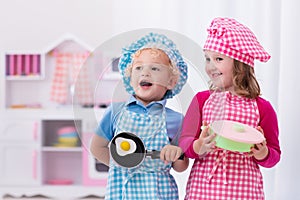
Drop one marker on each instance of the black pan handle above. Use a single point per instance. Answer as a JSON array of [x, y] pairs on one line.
[[153, 154], [156, 154], [181, 157]]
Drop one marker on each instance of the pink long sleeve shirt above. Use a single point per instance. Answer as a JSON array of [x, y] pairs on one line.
[[192, 123]]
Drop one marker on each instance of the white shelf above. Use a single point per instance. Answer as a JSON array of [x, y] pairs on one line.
[[60, 113], [63, 192], [24, 78], [62, 149]]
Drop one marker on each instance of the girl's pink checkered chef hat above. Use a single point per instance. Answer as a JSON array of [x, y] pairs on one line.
[[233, 39]]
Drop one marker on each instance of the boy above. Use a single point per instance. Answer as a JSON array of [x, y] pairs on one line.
[[153, 70]]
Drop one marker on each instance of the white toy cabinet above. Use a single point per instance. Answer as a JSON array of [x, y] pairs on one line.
[[19, 152], [32, 159]]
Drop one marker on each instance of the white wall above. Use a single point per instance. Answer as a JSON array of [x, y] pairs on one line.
[[35, 24], [288, 174]]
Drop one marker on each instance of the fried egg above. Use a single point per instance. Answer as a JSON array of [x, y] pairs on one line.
[[125, 146]]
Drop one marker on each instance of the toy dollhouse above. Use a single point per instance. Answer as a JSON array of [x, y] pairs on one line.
[[38, 97]]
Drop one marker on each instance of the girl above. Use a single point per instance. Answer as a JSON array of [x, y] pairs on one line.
[[153, 70], [218, 174]]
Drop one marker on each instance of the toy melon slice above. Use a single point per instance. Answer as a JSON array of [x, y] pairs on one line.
[[235, 136]]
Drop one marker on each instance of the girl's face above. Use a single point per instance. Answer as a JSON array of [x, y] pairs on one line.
[[219, 69], [151, 75]]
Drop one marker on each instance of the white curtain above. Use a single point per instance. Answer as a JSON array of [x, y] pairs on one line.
[[275, 24], [287, 172]]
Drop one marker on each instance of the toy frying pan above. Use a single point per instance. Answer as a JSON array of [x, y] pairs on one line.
[[128, 150], [235, 136]]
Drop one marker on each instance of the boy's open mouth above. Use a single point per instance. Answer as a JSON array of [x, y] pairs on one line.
[[145, 83]]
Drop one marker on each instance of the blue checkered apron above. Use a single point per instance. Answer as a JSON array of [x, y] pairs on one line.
[[151, 180]]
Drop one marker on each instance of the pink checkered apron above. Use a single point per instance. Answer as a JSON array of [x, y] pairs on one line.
[[222, 174]]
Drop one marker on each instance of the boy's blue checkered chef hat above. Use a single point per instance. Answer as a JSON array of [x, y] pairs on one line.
[[159, 41]]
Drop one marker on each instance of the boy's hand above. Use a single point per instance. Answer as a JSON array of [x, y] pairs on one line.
[[170, 153], [259, 151], [204, 143]]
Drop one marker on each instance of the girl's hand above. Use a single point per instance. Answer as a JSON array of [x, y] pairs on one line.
[[259, 151], [204, 143], [170, 153]]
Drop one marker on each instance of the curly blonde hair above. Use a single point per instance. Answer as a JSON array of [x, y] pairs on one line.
[[154, 52]]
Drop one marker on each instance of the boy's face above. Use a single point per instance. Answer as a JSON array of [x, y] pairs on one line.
[[151, 75], [219, 69]]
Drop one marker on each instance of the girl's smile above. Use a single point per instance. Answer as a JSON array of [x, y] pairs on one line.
[[220, 69], [216, 74]]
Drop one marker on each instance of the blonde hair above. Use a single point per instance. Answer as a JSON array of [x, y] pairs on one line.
[[244, 81], [155, 52]]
